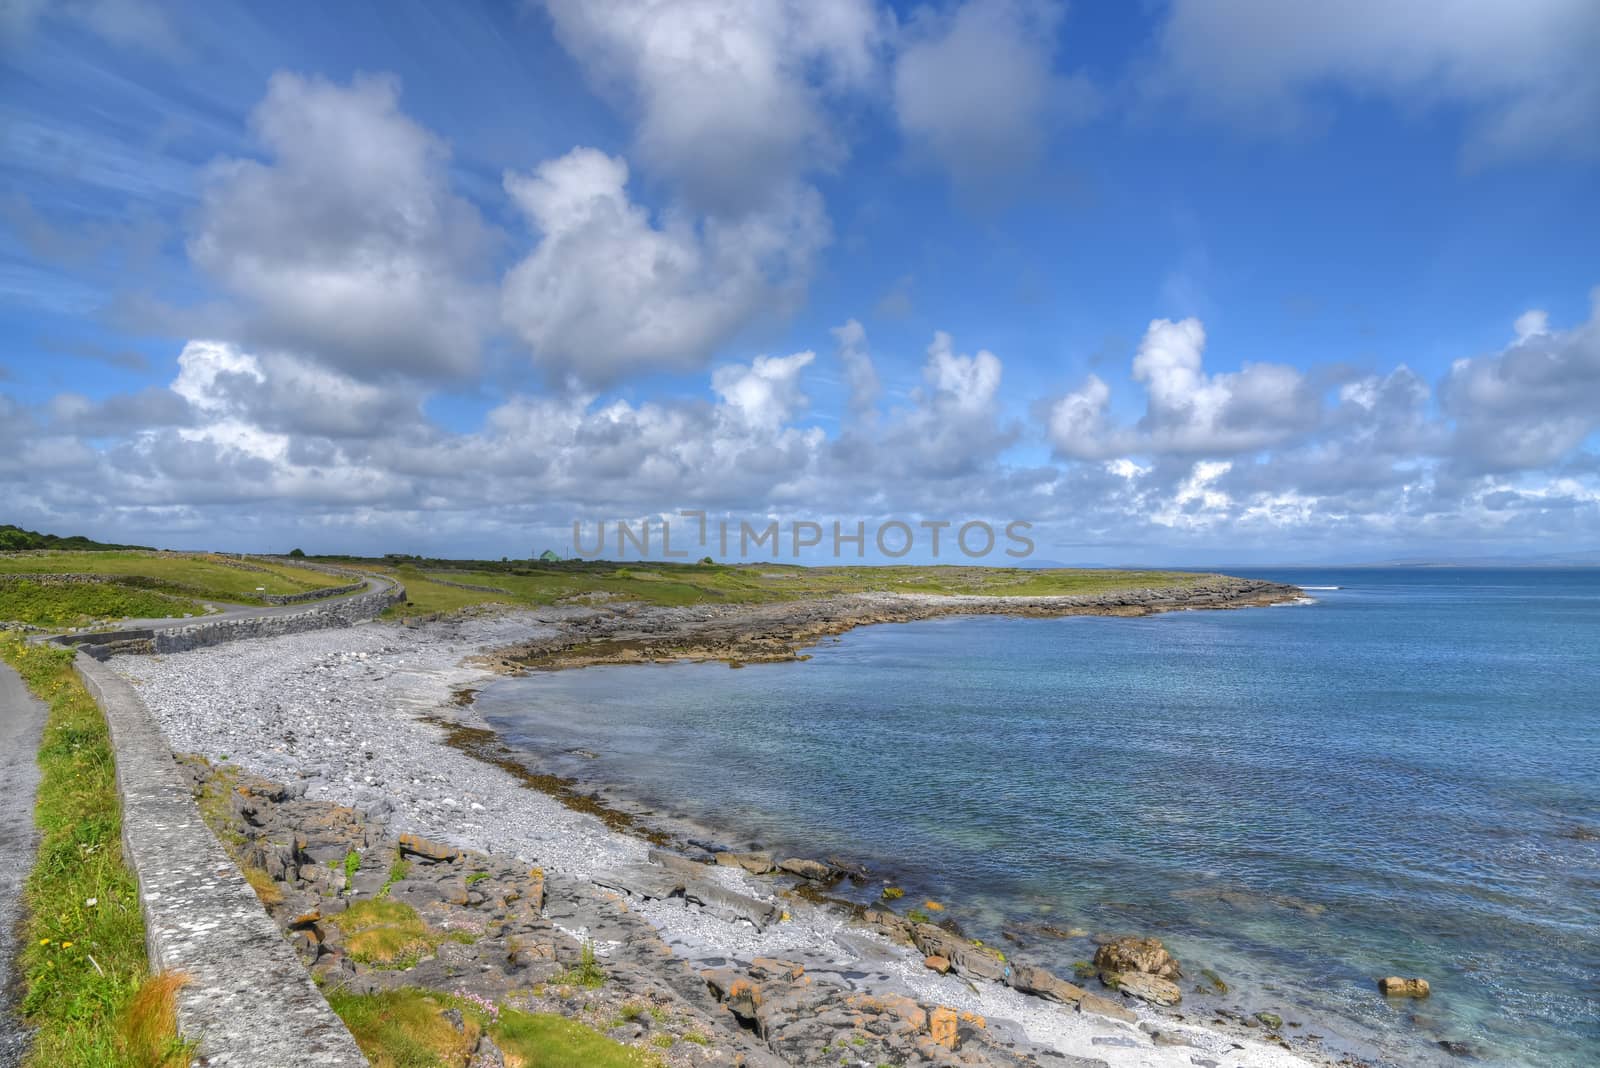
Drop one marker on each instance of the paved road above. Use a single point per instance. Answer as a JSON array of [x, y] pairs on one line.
[[21, 725]]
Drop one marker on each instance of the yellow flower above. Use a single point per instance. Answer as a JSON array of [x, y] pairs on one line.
[[44, 941]]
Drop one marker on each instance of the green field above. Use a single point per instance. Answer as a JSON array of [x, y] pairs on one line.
[[659, 583], [158, 585], [44, 605], [200, 573]]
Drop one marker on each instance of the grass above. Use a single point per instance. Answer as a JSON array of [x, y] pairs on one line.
[[665, 583], [207, 573], [587, 973], [406, 1028], [536, 1040], [397, 871], [87, 989], [42, 604], [386, 933], [198, 575]]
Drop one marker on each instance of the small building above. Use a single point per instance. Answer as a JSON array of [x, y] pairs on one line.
[[549, 557]]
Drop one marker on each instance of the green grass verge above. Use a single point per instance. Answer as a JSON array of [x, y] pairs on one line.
[[406, 1028], [87, 990], [49, 605]]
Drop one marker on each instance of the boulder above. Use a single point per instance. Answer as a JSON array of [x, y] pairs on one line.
[[1145, 955], [1041, 982], [814, 870], [1099, 1006], [754, 863], [1394, 986], [428, 850], [937, 963], [945, 1027], [1151, 988]]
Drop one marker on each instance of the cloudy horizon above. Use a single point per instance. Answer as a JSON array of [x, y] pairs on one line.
[[1185, 283]]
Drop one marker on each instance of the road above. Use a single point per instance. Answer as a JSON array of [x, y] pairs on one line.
[[21, 726]]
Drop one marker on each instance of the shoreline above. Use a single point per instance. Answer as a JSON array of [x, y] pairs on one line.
[[775, 633], [430, 666]]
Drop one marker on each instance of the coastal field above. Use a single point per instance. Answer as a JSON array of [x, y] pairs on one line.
[[437, 585], [137, 584]]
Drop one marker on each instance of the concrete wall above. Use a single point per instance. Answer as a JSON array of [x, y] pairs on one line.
[[248, 1002]]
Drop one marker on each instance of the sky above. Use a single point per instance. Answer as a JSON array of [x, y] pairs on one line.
[[1179, 282]]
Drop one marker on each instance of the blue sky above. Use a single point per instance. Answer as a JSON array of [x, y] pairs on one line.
[[1176, 282]]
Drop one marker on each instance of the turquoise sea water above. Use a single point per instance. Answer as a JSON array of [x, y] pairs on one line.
[[1402, 778]]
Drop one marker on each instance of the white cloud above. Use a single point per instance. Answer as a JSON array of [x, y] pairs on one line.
[[1077, 423], [1188, 411], [976, 87], [729, 94], [765, 394], [347, 244], [1531, 403], [860, 375], [245, 442], [1524, 71], [606, 293]]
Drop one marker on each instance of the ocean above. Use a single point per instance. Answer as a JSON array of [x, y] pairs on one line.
[[1401, 778]]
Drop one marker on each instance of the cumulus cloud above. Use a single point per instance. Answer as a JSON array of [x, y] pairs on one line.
[[1525, 72], [765, 394], [860, 374], [976, 87], [1188, 411], [607, 292], [1531, 403], [347, 243], [728, 94], [244, 440]]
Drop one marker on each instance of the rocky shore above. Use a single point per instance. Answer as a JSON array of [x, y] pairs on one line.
[[348, 733], [742, 634]]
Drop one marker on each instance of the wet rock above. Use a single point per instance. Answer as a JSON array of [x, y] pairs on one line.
[[1145, 955], [1270, 1019], [1393, 986], [966, 958]]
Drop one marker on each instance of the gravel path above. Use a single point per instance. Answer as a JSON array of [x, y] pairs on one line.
[[21, 726], [339, 709]]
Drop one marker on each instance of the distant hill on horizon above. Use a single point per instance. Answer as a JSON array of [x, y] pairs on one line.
[[16, 539]]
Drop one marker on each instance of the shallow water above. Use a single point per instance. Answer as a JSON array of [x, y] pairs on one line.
[[1392, 780]]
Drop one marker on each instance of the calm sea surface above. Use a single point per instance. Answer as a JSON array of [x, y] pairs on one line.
[[1402, 778]]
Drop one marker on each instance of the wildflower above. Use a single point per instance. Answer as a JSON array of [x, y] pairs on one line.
[[44, 941], [92, 902], [66, 945]]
